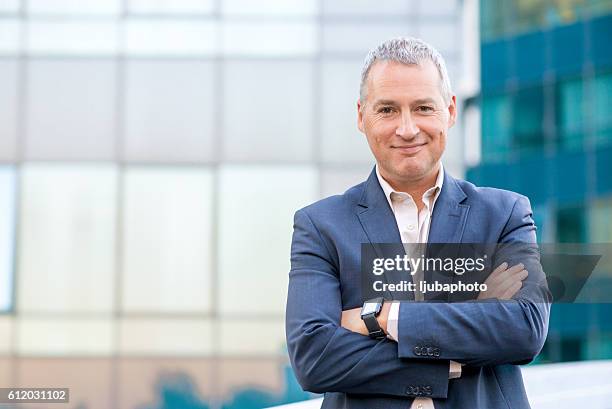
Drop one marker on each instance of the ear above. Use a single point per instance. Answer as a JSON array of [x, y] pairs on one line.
[[452, 110], [360, 116]]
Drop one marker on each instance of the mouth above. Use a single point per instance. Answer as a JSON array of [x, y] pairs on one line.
[[410, 149]]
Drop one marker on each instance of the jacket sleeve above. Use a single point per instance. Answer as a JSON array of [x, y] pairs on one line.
[[329, 358], [490, 332]]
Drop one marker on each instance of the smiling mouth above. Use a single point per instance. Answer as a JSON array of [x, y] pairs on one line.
[[410, 149]]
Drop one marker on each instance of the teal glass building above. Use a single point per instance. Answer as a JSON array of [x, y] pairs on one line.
[[546, 96]]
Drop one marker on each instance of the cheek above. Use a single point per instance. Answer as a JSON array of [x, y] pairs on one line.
[[434, 127], [381, 130]]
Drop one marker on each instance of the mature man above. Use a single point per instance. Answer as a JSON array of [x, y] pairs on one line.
[[411, 354]]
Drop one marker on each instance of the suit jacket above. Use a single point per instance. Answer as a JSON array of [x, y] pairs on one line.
[[354, 371]]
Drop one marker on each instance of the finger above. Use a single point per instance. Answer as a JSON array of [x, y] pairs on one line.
[[512, 291], [505, 274], [499, 269], [520, 275], [501, 273], [514, 269], [510, 281], [515, 277]]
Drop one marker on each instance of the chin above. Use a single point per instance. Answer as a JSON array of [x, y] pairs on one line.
[[409, 173]]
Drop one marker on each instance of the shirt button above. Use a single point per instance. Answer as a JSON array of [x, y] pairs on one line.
[[411, 227], [419, 406]]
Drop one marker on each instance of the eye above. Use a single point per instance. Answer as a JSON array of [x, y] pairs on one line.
[[385, 110], [425, 108]]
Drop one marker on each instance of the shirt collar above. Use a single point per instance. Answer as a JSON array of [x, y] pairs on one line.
[[433, 191]]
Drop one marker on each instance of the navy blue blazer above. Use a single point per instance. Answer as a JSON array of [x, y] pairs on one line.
[[354, 371]]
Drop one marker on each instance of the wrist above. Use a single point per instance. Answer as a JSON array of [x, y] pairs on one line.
[[383, 317]]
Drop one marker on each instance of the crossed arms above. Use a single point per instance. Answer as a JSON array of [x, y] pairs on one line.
[[327, 357]]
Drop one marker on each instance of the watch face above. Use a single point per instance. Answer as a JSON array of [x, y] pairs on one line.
[[368, 308]]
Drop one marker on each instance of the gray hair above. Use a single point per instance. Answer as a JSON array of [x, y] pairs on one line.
[[406, 50]]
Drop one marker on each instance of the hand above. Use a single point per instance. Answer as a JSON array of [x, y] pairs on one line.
[[351, 319], [504, 282]]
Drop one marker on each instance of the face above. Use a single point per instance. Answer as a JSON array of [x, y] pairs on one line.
[[406, 120]]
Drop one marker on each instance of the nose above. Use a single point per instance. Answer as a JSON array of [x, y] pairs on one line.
[[407, 128]]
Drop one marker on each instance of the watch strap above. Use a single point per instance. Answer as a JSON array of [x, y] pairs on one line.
[[374, 330]]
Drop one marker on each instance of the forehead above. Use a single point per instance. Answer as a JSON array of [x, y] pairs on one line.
[[394, 79]]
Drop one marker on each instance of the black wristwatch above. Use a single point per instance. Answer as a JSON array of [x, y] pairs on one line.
[[370, 310]]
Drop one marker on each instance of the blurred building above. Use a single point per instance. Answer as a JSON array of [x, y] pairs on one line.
[[152, 155], [546, 95]]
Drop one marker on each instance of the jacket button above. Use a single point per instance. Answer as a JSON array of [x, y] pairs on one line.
[[436, 351], [429, 351], [417, 351], [412, 390]]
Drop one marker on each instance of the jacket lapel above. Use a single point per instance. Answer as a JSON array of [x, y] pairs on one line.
[[449, 215], [447, 222], [376, 216], [447, 226], [377, 220]]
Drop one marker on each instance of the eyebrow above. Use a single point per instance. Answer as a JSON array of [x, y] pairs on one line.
[[384, 102], [424, 101], [394, 103]]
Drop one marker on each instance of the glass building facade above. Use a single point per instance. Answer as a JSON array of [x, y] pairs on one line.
[[152, 155], [546, 94]]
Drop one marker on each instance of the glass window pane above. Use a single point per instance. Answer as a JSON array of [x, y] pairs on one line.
[[7, 236], [600, 221], [90, 379], [67, 233], [496, 127], [10, 36], [570, 114], [495, 19], [171, 7], [367, 7], [167, 238], [74, 7], [171, 38], [169, 337], [169, 111], [252, 338], [64, 337], [256, 208], [269, 39], [6, 336], [528, 111], [571, 224], [72, 37], [336, 181], [157, 383], [444, 35], [454, 68], [357, 39], [602, 101], [270, 7], [268, 110], [341, 140], [10, 6], [437, 8], [6, 371], [238, 377], [9, 85], [81, 123]]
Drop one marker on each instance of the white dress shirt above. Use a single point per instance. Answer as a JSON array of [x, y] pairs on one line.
[[413, 226]]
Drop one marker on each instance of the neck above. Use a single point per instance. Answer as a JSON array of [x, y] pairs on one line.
[[414, 187]]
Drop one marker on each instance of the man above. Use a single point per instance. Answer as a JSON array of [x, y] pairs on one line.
[[442, 355]]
